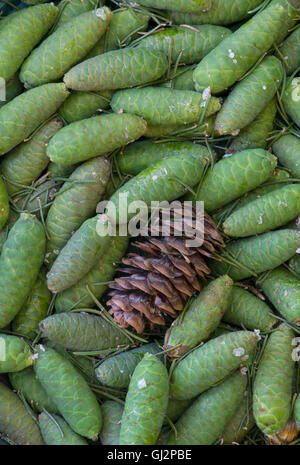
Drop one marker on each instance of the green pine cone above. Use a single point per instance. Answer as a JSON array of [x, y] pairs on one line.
[[210, 363], [272, 394], [249, 97], [248, 311], [65, 47], [76, 202], [15, 354], [235, 55], [146, 403], [27, 161], [232, 177], [70, 9], [160, 105], [69, 392], [82, 331], [15, 422], [95, 136], [258, 253], [283, 289], [21, 33], [200, 319], [203, 422], [117, 69], [26, 112], [82, 251], [20, 261], [265, 213]]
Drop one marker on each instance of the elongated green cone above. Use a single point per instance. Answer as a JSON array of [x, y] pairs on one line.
[[25, 382], [272, 183], [25, 113], [160, 105], [15, 422], [191, 44], [248, 311], [21, 34], [290, 52], [94, 136], [205, 419], [265, 213], [70, 9], [210, 363], [21, 258], [76, 202], [287, 149], [240, 424], [116, 371], [146, 403], [82, 105], [69, 392], [117, 69], [64, 48], [220, 12], [123, 28], [15, 354], [272, 393], [97, 279], [27, 161], [249, 97], [200, 319], [56, 432], [257, 254], [79, 255], [34, 310], [112, 415], [255, 135], [235, 55], [232, 177], [81, 331], [160, 182], [4, 204], [283, 289], [142, 154], [12, 89], [291, 100]]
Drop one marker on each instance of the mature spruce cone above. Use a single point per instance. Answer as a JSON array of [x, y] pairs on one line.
[[160, 282]]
